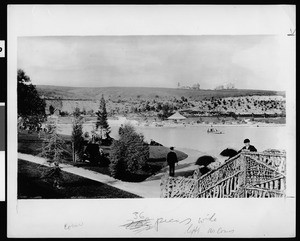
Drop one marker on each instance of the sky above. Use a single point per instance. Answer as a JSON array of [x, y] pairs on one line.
[[247, 61]]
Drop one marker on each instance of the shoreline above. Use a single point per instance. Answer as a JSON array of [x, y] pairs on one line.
[[152, 125], [213, 125], [166, 123], [118, 120]]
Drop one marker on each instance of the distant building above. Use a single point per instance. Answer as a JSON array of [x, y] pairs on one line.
[[230, 86], [196, 86], [193, 87], [185, 87], [225, 87], [220, 87]]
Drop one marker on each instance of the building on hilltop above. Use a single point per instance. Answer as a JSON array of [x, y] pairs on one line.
[[193, 87], [196, 86], [225, 87]]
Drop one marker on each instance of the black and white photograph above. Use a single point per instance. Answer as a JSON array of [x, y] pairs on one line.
[[153, 116]]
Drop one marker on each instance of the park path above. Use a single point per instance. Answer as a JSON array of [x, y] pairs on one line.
[[150, 188], [186, 165]]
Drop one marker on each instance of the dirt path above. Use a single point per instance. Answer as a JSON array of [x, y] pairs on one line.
[[149, 188]]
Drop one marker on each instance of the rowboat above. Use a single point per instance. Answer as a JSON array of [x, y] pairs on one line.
[[214, 131]]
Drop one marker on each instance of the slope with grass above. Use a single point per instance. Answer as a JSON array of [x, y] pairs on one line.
[[89, 93], [32, 144], [150, 101], [31, 185]]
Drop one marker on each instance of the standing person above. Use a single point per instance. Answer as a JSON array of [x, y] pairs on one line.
[[171, 160], [247, 146]]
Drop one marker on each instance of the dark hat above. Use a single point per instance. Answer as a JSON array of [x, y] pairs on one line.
[[246, 141], [172, 147]]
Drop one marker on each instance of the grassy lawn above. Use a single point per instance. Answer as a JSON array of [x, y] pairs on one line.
[[31, 144], [155, 163], [157, 153], [30, 185]]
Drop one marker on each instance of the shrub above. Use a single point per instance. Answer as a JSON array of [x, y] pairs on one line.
[[63, 113], [128, 154], [77, 138], [93, 153]]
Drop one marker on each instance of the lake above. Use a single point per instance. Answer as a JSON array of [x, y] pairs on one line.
[[196, 137]]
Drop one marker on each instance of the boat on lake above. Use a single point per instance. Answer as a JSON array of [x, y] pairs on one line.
[[214, 131]]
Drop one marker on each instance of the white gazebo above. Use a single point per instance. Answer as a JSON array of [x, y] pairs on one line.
[[176, 116]]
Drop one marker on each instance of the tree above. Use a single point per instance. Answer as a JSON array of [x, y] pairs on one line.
[[158, 106], [233, 115], [54, 147], [76, 112], [51, 110], [166, 111], [184, 99], [63, 113], [53, 150], [102, 118], [77, 138], [128, 154], [31, 108]]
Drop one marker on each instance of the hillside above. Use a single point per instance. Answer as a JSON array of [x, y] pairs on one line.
[[162, 102], [115, 93]]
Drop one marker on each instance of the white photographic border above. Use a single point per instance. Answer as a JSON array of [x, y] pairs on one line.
[[105, 217]]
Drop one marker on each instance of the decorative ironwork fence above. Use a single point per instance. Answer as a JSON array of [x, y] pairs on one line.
[[249, 174]]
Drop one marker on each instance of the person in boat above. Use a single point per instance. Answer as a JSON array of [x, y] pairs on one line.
[[248, 147], [214, 130], [210, 129], [171, 160]]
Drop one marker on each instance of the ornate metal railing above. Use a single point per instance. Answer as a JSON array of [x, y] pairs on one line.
[[249, 174]]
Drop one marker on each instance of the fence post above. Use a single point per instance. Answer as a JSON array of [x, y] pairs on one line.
[[196, 190]]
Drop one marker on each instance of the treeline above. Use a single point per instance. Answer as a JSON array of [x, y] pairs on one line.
[[163, 107]]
